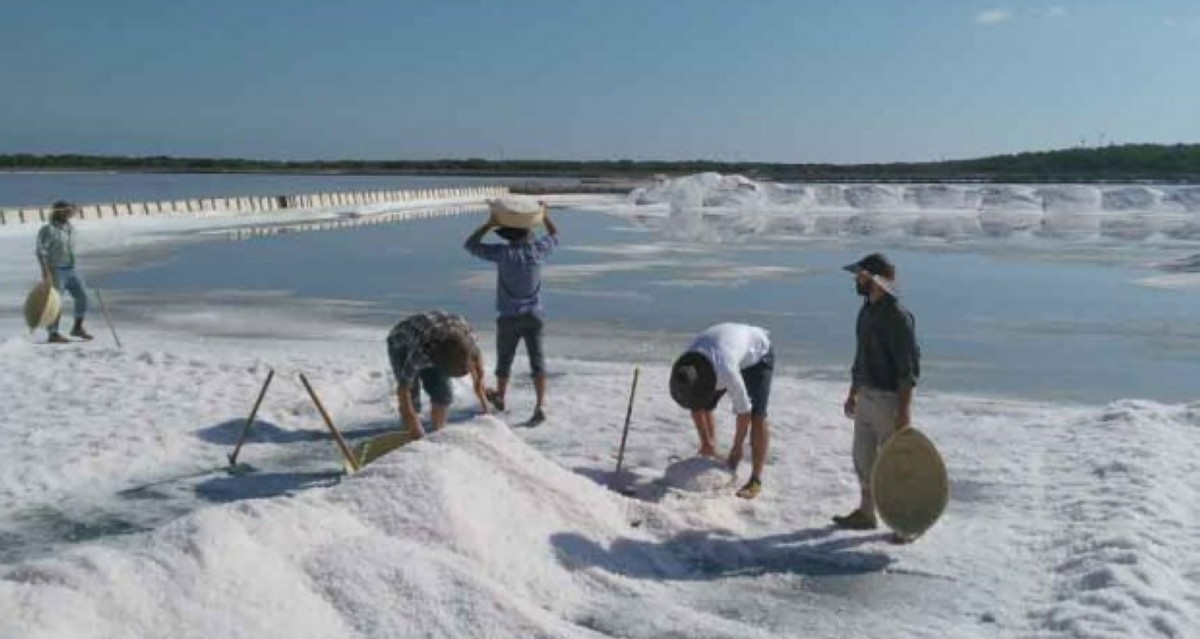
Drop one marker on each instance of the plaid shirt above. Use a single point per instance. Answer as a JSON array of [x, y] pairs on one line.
[[409, 341], [56, 245]]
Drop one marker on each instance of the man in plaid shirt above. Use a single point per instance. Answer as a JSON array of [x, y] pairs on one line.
[[429, 348]]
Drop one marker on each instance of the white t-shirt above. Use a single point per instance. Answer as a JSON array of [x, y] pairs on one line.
[[732, 348]]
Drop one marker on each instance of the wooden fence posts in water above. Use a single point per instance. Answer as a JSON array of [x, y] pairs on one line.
[[256, 204]]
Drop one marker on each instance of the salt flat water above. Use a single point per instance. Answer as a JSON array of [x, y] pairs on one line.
[[1047, 319]]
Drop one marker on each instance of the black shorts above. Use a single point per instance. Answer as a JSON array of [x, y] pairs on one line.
[[757, 379]]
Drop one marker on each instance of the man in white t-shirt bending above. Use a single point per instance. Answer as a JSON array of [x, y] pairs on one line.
[[736, 358]]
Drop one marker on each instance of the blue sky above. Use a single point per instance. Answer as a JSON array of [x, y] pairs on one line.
[[769, 80]]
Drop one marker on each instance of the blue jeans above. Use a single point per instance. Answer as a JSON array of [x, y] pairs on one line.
[[65, 277]]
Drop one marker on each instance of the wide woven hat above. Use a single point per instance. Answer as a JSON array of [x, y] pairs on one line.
[[516, 211], [693, 381], [42, 306]]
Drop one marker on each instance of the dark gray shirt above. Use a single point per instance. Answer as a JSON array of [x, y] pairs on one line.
[[887, 355]]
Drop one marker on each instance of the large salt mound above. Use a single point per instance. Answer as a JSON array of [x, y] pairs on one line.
[[712, 207], [469, 533]]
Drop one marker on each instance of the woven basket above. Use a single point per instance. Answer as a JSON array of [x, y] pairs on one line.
[[516, 212], [42, 306]]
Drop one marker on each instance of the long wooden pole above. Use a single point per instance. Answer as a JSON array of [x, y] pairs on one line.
[[250, 420], [107, 319], [337, 436], [628, 415]]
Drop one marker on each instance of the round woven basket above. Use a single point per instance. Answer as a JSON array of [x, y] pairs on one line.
[[910, 483], [42, 306], [516, 212]]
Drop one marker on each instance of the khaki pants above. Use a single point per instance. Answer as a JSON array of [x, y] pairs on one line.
[[874, 423]]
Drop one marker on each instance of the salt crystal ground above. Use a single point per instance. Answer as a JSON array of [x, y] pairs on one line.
[[116, 519]]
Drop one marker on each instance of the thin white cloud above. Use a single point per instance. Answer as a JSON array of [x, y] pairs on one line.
[[1181, 23], [993, 16], [1056, 11]]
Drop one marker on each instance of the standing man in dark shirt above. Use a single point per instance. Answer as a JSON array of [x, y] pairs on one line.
[[518, 301], [887, 363]]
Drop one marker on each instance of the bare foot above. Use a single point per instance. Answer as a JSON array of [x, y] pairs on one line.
[[707, 451]]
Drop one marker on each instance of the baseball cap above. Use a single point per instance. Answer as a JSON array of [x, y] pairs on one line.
[[875, 264]]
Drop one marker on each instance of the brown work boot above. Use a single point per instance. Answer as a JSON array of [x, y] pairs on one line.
[[57, 338], [857, 520], [77, 331]]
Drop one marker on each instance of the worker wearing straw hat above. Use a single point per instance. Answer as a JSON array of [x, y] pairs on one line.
[[518, 292], [737, 358]]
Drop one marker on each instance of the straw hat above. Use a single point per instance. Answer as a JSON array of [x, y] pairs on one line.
[[42, 306]]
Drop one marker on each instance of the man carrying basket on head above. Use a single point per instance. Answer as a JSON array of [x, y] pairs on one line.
[[518, 288]]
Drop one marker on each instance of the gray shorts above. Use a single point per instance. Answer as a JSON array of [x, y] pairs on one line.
[[512, 329]]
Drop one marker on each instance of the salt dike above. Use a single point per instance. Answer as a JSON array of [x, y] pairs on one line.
[[117, 520]]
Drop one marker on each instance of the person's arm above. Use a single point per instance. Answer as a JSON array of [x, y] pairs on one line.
[[904, 410], [408, 413], [43, 253], [546, 244], [741, 429], [851, 403], [731, 377], [902, 343], [551, 227], [405, 371], [475, 246]]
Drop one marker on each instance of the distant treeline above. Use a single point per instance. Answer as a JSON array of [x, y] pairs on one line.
[[1176, 163]]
